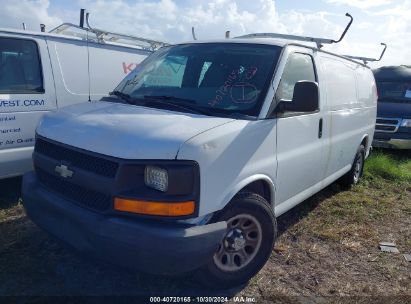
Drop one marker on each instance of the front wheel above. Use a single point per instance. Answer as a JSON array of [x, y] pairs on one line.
[[247, 244]]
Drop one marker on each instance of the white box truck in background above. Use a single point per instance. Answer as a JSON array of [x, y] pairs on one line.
[[41, 72]]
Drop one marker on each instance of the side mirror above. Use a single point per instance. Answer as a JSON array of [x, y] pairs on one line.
[[305, 98]]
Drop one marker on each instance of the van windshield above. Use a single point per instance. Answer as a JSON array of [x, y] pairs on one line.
[[395, 91], [213, 78]]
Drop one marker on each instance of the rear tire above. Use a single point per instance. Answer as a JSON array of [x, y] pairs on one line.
[[354, 175], [247, 245]]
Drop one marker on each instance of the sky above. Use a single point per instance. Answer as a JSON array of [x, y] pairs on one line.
[[375, 21]]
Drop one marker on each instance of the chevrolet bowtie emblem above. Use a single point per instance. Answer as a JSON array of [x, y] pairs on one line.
[[63, 171]]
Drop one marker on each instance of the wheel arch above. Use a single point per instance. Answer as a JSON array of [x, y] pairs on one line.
[[260, 184], [365, 142]]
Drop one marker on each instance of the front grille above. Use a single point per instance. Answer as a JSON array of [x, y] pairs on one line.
[[77, 159], [386, 128], [81, 196], [387, 121], [388, 125]]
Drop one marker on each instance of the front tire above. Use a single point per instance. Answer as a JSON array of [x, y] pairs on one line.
[[247, 245]]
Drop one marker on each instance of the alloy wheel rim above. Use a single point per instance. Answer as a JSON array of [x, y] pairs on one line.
[[240, 244]]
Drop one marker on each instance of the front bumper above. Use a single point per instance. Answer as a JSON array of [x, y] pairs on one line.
[[149, 246], [393, 143], [397, 140]]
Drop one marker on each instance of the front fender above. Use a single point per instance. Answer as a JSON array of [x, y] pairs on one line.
[[247, 181], [230, 157]]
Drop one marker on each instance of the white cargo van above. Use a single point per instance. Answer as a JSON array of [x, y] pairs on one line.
[[41, 72], [189, 162]]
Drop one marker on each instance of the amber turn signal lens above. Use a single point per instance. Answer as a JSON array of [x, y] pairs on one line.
[[154, 208]]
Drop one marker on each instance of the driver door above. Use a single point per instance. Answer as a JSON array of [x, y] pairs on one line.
[[301, 145]]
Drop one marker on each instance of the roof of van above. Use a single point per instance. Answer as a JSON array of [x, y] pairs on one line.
[[269, 41], [60, 36], [273, 41], [401, 72]]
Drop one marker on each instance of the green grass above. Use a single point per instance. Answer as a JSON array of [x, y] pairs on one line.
[[383, 195], [392, 166]]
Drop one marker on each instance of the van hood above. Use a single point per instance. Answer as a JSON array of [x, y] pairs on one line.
[[394, 109], [125, 131]]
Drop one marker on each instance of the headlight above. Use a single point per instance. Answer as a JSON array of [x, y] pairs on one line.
[[406, 123], [156, 178]]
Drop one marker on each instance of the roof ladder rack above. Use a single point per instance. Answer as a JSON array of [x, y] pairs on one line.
[[103, 36], [318, 41], [365, 59]]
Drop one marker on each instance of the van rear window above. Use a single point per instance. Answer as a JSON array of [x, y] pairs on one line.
[[20, 68]]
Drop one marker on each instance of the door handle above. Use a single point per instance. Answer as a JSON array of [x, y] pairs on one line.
[[320, 128]]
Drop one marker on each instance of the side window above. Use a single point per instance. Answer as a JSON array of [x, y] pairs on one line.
[[20, 67], [299, 67]]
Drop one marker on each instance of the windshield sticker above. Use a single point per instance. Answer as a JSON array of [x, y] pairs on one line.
[[251, 72], [243, 93], [224, 89], [238, 90], [408, 94]]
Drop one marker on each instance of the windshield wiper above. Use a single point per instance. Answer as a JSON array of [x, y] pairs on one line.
[[123, 96], [169, 97], [161, 100], [236, 115], [186, 106]]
